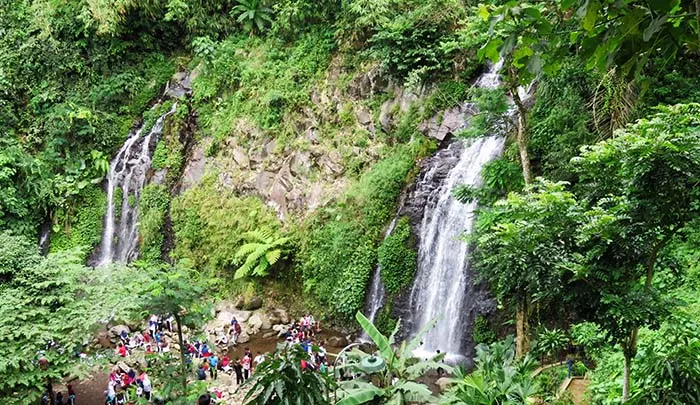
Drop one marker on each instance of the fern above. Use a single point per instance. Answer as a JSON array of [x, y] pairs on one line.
[[263, 251]]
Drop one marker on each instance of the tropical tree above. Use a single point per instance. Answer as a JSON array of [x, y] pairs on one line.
[[499, 377], [281, 379], [522, 38], [642, 187], [262, 252], [255, 15], [525, 243], [178, 292], [397, 382]]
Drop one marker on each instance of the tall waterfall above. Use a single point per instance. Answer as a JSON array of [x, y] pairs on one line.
[[127, 172], [440, 287], [443, 288]]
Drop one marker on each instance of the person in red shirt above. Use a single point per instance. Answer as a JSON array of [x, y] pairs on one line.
[[121, 350], [226, 364]]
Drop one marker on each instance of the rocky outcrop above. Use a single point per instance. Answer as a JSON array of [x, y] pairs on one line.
[[448, 122]]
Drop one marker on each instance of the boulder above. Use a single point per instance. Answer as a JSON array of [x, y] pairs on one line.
[[255, 321], [278, 315], [241, 316], [102, 339], [444, 383], [337, 341], [243, 337], [254, 303], [225, 317], [116, 330], [240, 302], [268, 335]]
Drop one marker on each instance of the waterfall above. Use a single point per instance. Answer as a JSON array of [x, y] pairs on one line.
[[443, 287], [441, 284], [377, 293], [127, 172]]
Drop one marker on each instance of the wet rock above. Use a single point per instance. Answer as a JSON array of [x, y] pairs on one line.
[[447, 122], [337, 341]]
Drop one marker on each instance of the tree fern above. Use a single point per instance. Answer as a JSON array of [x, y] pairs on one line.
[[263, 251]]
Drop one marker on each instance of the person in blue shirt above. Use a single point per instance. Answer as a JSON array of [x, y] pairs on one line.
[[213, 363]]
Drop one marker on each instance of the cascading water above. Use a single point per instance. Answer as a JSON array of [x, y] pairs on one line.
[[443, 288], [377, 293], [127, 172], [440, 287]]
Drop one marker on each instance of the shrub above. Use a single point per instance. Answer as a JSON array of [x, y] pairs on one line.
[[153, 205], [397, 258], [209, 224]]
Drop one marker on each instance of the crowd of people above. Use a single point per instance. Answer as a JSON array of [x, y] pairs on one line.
[[209, 360]]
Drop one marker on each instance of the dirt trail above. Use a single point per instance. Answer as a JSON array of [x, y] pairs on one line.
[[577, 388]]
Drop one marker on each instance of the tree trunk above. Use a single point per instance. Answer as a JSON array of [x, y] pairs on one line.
[[626, 379], [183, 363], [520, 135], [522, 328], [630, 348]]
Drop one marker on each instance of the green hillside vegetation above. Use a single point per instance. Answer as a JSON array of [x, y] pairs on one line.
[[309, 121]]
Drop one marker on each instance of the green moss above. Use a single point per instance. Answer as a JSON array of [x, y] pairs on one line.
[[153, 205], [81, 226], [397, 258]]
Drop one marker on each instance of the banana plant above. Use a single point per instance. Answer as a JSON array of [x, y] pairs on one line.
[[396, 383]]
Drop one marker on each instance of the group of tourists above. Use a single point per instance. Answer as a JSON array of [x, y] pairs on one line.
[[209, 360], [59, 399], [152, 340], [241, 367], [121, 379]]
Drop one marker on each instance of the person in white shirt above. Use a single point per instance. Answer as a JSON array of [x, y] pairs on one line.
[[259, 359]]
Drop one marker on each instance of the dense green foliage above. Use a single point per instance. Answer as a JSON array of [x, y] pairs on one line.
[[339, 254], [499, 378], [397, 258], [209, 225], [604, 245], [396, 382], [280, 379]]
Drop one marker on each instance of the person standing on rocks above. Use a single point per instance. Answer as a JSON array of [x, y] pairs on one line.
[[238, 369], [213, 363]]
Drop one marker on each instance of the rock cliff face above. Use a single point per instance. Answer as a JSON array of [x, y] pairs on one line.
[[340, 133]]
